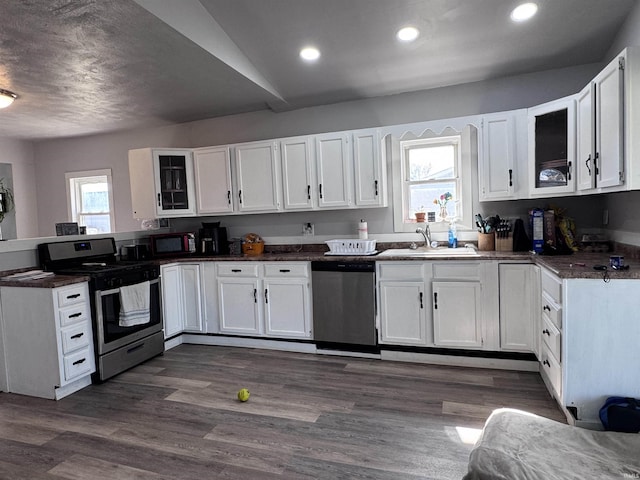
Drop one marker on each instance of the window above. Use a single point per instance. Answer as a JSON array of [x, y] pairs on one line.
[[90, 200], [430, 168]]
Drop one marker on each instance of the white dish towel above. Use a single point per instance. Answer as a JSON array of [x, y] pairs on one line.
[[134, 305]]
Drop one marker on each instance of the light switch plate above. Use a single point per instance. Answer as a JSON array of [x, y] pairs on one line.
[[307, 229]]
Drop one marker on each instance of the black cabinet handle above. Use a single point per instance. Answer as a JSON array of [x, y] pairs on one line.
[[587, 164], [308, 192], [569, 171], [229, 196], [75, 295], [159, 202], [266, 296], [510, 177], [435, 300], [75, 315], [421, 303], [78, 362], [375, 184], [236, 270], [77, 335], [595, 162], [240, 195], [285, 270], [546, 362], [255, 295], [320, 190], [547, 308], [546, 332]]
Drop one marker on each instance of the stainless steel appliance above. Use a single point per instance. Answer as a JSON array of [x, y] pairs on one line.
[[117, 347], [213, 239], [344, 302], [134, 252], [172, 244]]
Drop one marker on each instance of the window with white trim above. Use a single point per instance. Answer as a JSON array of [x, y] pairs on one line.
[[90, 200]]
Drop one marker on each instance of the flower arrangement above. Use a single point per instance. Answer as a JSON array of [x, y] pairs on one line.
[[442, 201]]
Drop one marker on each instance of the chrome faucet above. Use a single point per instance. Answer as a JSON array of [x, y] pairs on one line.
[[426, 234]]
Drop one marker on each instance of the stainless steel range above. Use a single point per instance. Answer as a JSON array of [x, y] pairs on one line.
[[119, 344]]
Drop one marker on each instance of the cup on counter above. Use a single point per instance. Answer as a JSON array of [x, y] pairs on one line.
[[616, 262]]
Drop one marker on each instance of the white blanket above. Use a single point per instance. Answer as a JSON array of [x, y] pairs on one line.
[[517, 445], [134, 305]]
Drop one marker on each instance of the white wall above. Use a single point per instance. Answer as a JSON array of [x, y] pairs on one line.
[[20, 155], [56, 157]]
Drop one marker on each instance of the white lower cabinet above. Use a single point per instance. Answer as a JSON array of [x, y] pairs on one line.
[[518, 306], [59, 359], [181, 301], [271, 299], [457, 314]]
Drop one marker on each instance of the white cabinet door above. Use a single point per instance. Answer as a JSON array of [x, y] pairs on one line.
[[172, 308], [297, 177], [287, 307], [191, 301], [457, 314], [497, 165], [174, 182], [585, 146], [209, 297], [238, 306], [369, 169], [403, 318], [213, 180], [517, 307], [333, 165], [609, 107], [257, 177]]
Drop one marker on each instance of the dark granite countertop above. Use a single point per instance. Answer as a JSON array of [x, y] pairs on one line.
[[580, 265], [50, 281]]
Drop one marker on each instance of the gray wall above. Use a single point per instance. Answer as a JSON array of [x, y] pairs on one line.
[[55, 157]]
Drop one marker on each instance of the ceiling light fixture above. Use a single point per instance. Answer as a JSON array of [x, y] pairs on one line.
[[408, 34], [310, 54], [6, 98], [524, 12]]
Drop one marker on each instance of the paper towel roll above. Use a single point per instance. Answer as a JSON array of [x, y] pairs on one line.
[[363, 232]]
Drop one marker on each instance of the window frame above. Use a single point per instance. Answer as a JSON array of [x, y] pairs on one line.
[[73, 181]]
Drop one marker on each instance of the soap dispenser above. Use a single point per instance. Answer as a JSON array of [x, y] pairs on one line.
[[453, 234]]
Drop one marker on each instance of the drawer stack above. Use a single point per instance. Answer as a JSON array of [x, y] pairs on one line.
[[551, 331]]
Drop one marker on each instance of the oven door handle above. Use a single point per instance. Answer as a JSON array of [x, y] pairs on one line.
[[113, 291]]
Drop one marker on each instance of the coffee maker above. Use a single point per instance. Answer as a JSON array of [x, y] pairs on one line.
[[213, 239]]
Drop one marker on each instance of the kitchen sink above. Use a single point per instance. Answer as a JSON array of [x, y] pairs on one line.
[[429, 252]]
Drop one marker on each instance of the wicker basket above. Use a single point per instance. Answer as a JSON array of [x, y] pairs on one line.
[[256, 248]]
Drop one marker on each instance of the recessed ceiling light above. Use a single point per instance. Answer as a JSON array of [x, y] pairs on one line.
[[408, 34], [6, 98], [524, 12], [310, 54]]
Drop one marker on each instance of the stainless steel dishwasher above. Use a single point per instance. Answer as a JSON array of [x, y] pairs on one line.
[[344, 302]]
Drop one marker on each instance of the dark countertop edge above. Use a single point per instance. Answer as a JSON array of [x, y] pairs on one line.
[[53, 281]]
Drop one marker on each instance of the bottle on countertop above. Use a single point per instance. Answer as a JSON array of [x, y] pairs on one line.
[[453, 234]]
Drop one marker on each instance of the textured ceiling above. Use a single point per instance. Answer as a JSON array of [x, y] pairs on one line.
[[89, 66]]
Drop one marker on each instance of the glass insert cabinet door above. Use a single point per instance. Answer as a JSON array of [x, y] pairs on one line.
[[174, 182], [552, 147]]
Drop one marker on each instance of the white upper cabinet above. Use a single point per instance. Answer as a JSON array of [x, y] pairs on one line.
[[333, 162], [552, 147], [369, 169], [585, 144], [171, 193], [257, 177], [298, 185], [213, 180], [503, 136]]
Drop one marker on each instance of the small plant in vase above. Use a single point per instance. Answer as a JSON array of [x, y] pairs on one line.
[[442, 204], [420, 214]]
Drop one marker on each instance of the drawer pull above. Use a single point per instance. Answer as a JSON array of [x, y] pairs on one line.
[[435, 300], [75, 315], [137, 347], [78, 362], [547, 308], [75, 295], [546, 332], [285, 270], [77, 335], [546, 362], [236, 270]]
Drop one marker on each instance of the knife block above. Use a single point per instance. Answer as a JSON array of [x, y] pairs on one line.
[[504, 244], [486, 241]]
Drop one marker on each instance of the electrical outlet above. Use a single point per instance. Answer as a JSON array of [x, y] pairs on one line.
[[307, 229]]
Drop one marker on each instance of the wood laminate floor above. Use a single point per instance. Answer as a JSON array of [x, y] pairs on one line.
[[309, 417]]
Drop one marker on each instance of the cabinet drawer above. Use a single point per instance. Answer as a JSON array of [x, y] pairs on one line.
[[552, 338], [75, 337], [456, 270], [287, 270], [72, 295], [77, 364], [244, 269], [552, 370], [552, 286], [552, 311], [74, 314], [400, 271]]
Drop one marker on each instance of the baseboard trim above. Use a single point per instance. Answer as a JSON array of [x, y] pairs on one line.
[[221, 341], [460, 361], [173, 342]]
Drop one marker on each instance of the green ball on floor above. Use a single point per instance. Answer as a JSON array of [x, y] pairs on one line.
[[243, 395]]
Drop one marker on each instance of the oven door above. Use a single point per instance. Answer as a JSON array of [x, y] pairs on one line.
[[109, 334]]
